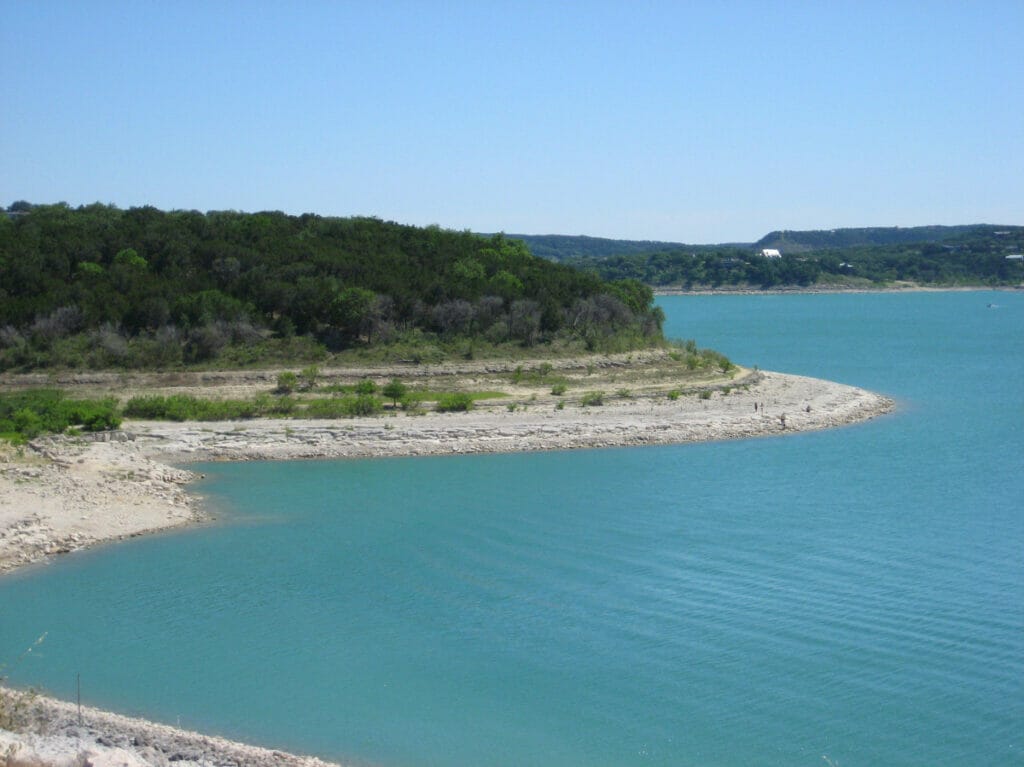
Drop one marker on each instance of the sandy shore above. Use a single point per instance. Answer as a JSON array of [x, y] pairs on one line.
[[59, 494]]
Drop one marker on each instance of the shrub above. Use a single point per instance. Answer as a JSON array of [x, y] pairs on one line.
[[308, 377], [717, 359], [28, 423], [287, 382], [325, 408], [363, 404], [366, 386], [411, 404], [558, 389], [674, 394], [182, 407], [344, 407], [25, 415], [454, 402], [705, 394], [92, 415], [275, 407], [592, 399]]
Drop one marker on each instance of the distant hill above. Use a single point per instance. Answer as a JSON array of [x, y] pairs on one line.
[[576, 248], [979, 254], [788, 241], [559, 247]]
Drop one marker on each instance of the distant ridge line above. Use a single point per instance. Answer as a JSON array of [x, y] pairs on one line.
[[559, 247]]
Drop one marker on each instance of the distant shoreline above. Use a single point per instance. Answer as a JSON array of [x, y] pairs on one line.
[[825, 290]]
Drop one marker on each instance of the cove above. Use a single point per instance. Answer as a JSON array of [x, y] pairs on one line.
[[856, 593]]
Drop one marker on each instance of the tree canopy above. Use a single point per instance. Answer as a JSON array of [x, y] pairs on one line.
[[98, 286], [974, 255]]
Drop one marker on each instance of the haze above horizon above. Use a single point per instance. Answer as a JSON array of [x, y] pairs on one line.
[[695, 123]]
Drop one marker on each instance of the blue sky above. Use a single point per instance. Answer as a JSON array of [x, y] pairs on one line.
[[694, 122]]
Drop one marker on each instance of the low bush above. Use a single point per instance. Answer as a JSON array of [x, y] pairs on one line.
[[363, 404], [182, 407], [287, 382], [343, 407], [592, 399], [454, 402], [366, 386], [308, 377], [25, 415]]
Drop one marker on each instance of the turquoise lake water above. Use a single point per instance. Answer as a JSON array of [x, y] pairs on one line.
[[856, 594]]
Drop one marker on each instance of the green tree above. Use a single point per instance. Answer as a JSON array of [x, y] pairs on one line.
[[395, 390]]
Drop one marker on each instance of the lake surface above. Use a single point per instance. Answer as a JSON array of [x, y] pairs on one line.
[[856, 594]]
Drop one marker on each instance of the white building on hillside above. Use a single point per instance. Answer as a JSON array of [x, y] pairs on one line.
[[770, 253]]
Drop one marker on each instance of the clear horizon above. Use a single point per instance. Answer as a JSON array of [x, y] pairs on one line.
[[702, 124]]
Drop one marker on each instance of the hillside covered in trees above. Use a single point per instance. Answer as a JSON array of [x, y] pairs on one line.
[[799, 241], [875, 257], [563, 247], [97, 286]]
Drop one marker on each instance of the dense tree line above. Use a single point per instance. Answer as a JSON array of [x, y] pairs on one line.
[[709, 268], [561, 247], [970, 256], [99, 286], [798, 241]]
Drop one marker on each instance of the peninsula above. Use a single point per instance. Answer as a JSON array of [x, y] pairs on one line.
[[61, 493]]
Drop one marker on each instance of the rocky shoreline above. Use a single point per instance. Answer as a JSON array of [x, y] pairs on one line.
[[59, 734], [60, 494]]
